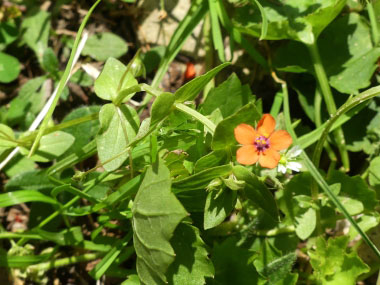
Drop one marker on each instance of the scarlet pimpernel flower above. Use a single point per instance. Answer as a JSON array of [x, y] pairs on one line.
[[261, 144]]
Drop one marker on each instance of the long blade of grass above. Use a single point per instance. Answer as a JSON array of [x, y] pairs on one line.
[[215, 29], [23, 196], [264, 24], [318, 177], [74, 55], [196, 13], [238, 37]]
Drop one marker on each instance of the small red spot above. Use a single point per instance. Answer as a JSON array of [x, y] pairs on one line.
[[190, 72]]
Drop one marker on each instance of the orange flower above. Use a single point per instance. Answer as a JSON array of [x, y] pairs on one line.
[[262, 144]]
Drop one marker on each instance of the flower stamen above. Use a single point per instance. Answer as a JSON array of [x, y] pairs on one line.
[[261, 143]]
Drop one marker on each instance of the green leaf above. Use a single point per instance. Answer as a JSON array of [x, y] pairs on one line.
[[82, 78], [50, 62], [305, 222], [201, 179], [232, 264], [295, 19], [162, 107], [212, 159], [108, 83], [332, 265], [118, 127], [71, 236], [36, 179], [257, 192], [8, 33], [273, 265], [19, 165], [24, 196], [36, 27], [264, 22], [7, 137], [191, 264], [224, 133], [238, 96], [84, 132], [156, 214], [9, 68], [29, 99], [109, 259], [355, 188], [374, 172], [101, 46], [190, 90], [348, 71], [219, 204], [51, 146]]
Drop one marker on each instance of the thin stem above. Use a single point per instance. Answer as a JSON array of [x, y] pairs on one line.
[[373, 20], [62, 126], [65, 261], [196, 115], [277, 103], [318, 123], [329, 100], [313, 169]]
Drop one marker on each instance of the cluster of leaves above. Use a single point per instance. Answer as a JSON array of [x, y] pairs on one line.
[[166, 201]]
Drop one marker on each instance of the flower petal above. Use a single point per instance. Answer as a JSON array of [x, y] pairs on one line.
[[247, 155], [280, 140], [245, 134], [266, 125], [295, 166], [269, 158]]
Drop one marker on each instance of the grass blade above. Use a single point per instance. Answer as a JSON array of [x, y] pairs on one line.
[[318, 177]]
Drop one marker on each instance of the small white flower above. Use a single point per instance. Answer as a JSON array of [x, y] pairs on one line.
[[288, 160]]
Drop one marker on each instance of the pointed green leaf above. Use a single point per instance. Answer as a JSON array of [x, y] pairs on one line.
[[257, 192], [24, 196], [232, 264], [118, 127], [191, 264], [51, 146], [162, 107], [107, 85], [238, 96], [201, 179], [9, 68], [190, 90], [101, 46], [156, 214], [36, 27], [218, 207]]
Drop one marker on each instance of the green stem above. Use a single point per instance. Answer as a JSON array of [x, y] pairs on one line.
[[196, 115], [313, 169], [277, 103], [62, 126], [318, 123], [374, 25], [329, 100], [209, 53], [8, 235], [65, 261]]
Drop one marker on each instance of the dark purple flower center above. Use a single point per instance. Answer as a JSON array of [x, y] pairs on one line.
[[261, 143]]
